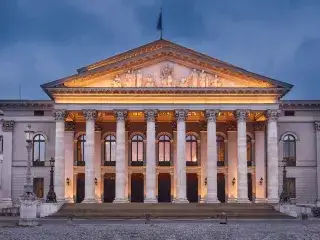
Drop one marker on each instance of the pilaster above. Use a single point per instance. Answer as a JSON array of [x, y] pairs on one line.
[[317, 129]]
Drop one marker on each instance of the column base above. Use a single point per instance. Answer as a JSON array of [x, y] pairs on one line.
[[150, 200], [232, 200], [273, 200], [61, 200], [318, 203], [89, 200], [69, 200], [243, 200], [121, 200], [260, 200], [181, 200], [98, 200], [211, 200]]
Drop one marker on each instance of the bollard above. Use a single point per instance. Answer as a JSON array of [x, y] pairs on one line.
[[223, 218], [147, 218]]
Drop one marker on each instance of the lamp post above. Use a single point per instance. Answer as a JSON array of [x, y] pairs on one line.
[[28, 187], [51, 196], [284, 196]]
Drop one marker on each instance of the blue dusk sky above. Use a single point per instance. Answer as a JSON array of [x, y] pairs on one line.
[[44, 40]]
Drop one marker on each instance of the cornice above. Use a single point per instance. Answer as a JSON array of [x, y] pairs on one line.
[[300, 104], [26, 104]]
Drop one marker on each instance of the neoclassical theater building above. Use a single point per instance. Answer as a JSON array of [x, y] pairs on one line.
[[163, 123]]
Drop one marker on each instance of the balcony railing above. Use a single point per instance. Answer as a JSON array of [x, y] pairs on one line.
[[136, 163], [80, 163], [109, 163], [249, 163], [190, 163], [164, 163], [220, 164], [38, 163]]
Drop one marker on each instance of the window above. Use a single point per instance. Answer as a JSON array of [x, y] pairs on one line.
[[39, 145], [137, 150], [110, 150], [221, 150], [249, 151], [164, 149], [81, 150], [288, 113], [291, 187], [38, 187], [289, 150], [38, 113], [1, 144], [191, 150]]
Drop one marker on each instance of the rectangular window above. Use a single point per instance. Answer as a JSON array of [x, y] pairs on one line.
[[291, 187], [38, 187], [1, 144], [38, 113], [289, 113]]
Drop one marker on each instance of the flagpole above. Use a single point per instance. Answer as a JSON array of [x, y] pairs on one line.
[[161, 24]]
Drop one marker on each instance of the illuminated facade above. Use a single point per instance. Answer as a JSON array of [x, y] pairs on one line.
[[163, 123]]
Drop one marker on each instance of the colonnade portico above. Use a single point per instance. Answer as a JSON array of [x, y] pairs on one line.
[[121, 168]]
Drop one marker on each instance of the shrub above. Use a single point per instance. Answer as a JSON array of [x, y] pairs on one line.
[[316, 211]]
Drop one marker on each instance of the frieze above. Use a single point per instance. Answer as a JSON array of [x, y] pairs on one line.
[[241, 115], [317, 126], [8, 126], [181, 114], [69, 126], [59, 115], [272, 115], [120, 114], [211, 114], [90, 114]]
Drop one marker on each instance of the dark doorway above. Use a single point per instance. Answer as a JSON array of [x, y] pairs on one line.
[[80, 187], [109, 189], [164, 187], [137, 187], [221, 185], [192, 187], [250, 186]]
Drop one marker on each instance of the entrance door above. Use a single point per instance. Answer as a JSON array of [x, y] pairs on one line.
[[192, 187], [221, 185], [109, 187], [137, 187], [80, 187], [250, 186], [164, 187]]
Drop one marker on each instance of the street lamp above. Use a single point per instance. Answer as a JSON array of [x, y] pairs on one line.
[[284, 196], [51, 196], [28, 187]]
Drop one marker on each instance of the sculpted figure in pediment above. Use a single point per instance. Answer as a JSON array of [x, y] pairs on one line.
[[149, 81], [130, 79], [194, 78], [139, 79], [213, 80], [116, 82], [183, 82], [166, 76], [203, 79]]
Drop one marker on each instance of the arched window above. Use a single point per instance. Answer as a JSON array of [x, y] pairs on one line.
[[109, 150], [221, 150], [191, 150], [164, 150], [289, 149], [39, 145], [81, 157], [249, 151], [137, 150]]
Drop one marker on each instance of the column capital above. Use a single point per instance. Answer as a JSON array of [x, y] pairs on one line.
[[211, 114], [60, 115], [259, 126], [90, 114], [8, 126], [150, 115], [181, 114], [272, 115], [241, 114], [317, 126], [121, 114]]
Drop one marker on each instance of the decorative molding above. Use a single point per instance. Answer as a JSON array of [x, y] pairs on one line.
[[8, 126], [121, 115], [181, 114], [150, 115], [272, 115], [212, 114], [27, 104], [259, 126], [295, 135], [317, 126], [90, 114], [59, 115], [69, 126]]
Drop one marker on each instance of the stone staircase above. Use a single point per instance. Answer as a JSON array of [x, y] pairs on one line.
[[168, 210]]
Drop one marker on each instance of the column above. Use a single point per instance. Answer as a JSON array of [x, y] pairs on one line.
[[121, 116], [91, 116], [97, 164], [260, 176], [242, 181], [317, 128], [272, 155], [150, 116], [211, 116], [232, 162], [6, 183], [181, 185], [59, 169], [69, 160]]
